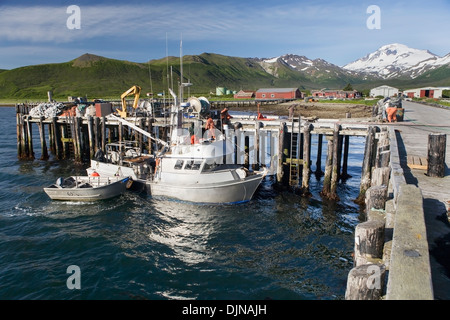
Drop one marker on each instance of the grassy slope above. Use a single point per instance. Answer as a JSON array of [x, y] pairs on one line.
[[98, 77]]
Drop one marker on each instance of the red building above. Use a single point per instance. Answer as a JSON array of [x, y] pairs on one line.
[[278, 93], [244, 94]]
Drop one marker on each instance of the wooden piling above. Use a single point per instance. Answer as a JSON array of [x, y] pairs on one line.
[[44, 151], [103, 134], [344, 174], [380, 176], [30, 154], [281, 154], [57, 138], [328, 168], [335, 168], [96, 133], [319, 171], [306, 159], [90, 124], [369, 242], [78, 140], [367, 165], [436, 154], [19, 132], [376, 197], [366, 282]]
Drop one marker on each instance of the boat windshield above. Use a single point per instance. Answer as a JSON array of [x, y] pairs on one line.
[[193, 165]]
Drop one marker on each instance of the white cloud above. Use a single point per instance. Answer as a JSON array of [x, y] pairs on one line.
[[334, 31]]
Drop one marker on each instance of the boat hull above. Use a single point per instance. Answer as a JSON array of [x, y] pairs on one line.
[[227, 192], [103, 192]]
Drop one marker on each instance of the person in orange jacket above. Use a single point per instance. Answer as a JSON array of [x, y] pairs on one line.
[[209, 127], [391, 113], [225, 116]]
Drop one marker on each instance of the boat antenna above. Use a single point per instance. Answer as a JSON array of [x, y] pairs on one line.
[[181, 69]]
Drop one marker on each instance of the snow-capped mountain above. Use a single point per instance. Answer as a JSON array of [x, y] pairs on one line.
[[304, 65], [397, 60], [391, 61]]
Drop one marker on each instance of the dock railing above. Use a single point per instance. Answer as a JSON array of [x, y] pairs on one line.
[[409, 266], [391, 256]]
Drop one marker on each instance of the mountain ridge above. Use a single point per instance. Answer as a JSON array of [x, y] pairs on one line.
[[94, 75]]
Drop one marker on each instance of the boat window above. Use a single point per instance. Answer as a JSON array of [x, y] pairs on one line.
[[179, 164], [209, 166], [193, 165]]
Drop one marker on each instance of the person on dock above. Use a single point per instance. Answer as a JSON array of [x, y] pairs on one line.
[[260, 115], [391, 111], [210, 127]]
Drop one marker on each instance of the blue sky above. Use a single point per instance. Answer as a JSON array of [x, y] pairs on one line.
[[36, 32]]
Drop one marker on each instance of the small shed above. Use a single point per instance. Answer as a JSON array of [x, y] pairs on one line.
[[384, 91]]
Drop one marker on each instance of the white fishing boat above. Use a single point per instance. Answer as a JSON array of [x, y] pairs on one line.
[[87, 188], [197, 173], [190, 170]]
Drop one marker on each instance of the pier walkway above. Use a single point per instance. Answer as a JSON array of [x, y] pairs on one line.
[[412, 138]]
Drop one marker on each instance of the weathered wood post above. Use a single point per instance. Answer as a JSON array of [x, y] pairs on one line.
[[57, 138], [30, 155], [281, 155], [44, 151], [90, 122], [380, 176], [436, 154], [367, 165], [103, 135], [328, 167], [96, 133], [366, 282], [19, 131], [319, 171], [306, 159], [51, 139], [77, 139], [335, 169], [376, 197], [369, 242], [345, 174]]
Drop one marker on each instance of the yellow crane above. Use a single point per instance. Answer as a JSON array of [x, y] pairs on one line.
[[136, 90]]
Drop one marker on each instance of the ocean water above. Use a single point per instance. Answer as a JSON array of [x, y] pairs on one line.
[[278, 246]]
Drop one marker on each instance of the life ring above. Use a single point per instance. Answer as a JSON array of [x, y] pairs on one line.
[[95, 174]]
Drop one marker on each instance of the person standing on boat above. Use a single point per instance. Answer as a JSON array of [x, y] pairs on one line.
[[225, 117], [210, 127]]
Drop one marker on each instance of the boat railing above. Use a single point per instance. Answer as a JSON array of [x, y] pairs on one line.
[[95, 180]]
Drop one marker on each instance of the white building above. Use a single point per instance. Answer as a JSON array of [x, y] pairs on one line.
[[384, 91], [426, 92]]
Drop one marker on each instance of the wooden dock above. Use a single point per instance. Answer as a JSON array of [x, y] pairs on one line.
[[283, 144]]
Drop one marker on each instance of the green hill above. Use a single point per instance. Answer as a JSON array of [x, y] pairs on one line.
[[99, 77]]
